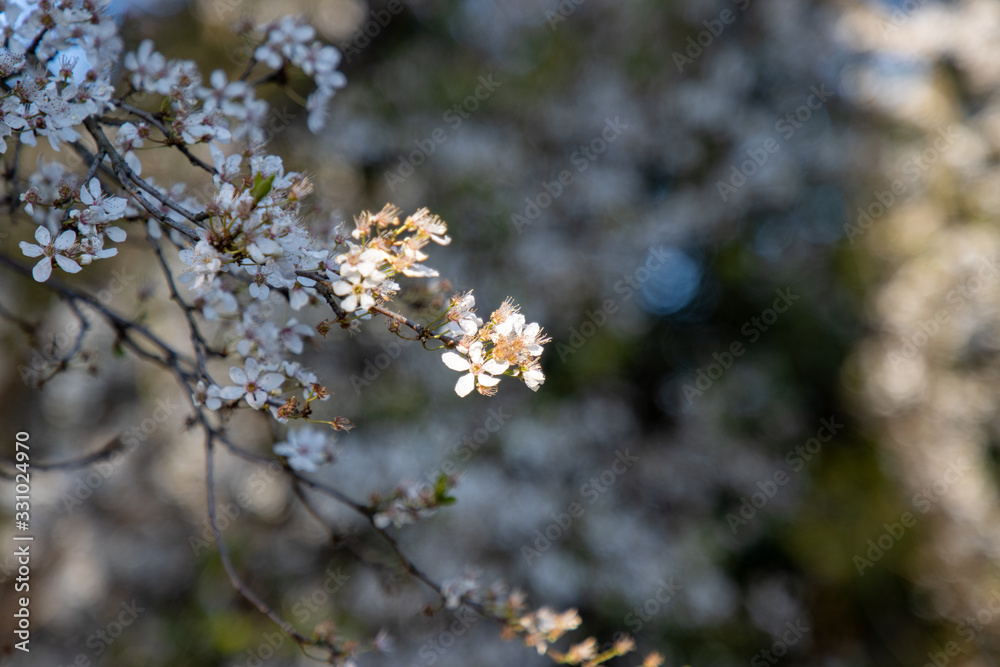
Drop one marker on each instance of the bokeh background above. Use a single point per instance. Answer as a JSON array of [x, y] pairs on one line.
[[769, 275]]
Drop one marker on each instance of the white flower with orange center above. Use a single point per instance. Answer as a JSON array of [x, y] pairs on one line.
[[480, 369]]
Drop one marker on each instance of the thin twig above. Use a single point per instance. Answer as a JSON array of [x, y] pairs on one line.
[[198, 342], [94, 166], [227, 562], [171, 141]]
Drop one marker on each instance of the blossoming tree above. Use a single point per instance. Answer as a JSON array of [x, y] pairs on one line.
[[245, 239]]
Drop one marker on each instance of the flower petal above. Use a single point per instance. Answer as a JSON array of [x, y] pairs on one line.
[[42, 270], [231, 393], [68, 265], [116, 234], [42, 236], [487, 380], [238, 376], [455, 361], [30, 249], [465, 385], [270, 381], [65, 240], [88, 195], [256, 399], [494, 367]]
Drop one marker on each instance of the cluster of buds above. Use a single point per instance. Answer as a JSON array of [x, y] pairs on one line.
[[505, 345]]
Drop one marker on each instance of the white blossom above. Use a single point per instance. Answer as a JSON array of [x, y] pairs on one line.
[[480, 369], [48, 250], [251, 384], [306, 449], [203, 263]]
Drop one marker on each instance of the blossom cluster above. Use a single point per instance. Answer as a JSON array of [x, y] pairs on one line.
[[538, 629], [93, 223], [290, 39], [307, 448], [504, 345], [65, 79], [381, 248]]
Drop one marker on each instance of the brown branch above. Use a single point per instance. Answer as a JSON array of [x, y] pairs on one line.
[[27, 327], [423, 332], [122, 325], [325, 289], [198, 342], [127, 177], [10, 175]]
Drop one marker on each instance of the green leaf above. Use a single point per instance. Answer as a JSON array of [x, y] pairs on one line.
[[262, 186], [441, 496]]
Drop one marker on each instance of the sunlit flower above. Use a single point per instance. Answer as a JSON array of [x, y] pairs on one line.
[[357, 291], [480, 369]]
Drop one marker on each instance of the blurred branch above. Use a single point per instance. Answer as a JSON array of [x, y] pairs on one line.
[[27, 327], [123, 326], [198, 342], [104, 453]]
